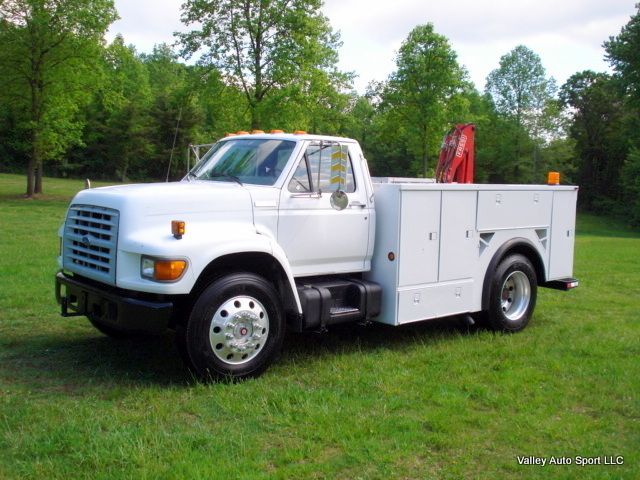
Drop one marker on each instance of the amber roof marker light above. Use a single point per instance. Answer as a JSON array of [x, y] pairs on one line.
[[553, 178]]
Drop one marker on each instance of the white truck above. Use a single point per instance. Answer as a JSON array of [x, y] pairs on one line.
[[280, 231]]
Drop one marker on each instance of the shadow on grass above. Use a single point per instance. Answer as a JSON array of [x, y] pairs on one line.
[[352, 337], [81, 364], [84, 361]]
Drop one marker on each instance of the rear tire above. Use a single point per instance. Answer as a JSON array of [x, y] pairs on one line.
[[235, 329], [513, 294]]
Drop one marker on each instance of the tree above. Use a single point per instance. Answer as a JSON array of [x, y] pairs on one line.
[[261, 45], [126, 97], [631, 186], [597, 114], [522, 92], [175, 111], [48, 47], [623, 53], [423, 93]]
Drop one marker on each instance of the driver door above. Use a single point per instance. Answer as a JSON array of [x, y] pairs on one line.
[[316, 237]]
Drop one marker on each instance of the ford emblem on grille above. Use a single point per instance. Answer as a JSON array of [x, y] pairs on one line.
[[86, 241]]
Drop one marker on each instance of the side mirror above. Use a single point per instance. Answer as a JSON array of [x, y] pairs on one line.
[[339, 200]]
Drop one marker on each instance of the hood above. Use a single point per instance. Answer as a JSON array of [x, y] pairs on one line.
[[175, 198]]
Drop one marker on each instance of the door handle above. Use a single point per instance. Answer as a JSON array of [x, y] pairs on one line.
[[356, 203]]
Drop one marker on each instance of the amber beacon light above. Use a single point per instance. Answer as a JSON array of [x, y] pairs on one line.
[[178, 228], [553, 178]]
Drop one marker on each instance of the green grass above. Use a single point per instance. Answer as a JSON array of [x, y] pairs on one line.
[[426, 401]]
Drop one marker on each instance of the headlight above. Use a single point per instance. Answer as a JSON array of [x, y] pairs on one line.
[[162, 269]]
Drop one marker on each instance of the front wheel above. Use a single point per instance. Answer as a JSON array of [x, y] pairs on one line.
[[235, 329], [513, 294]]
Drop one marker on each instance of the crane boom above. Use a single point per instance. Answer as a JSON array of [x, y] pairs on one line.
[[457, 155]]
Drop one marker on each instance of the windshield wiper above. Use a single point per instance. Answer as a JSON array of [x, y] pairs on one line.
[[226, 175], [190, 175]]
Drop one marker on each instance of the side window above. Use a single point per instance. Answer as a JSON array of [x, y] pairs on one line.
[[316, 165], [322, 156], [300, 181]]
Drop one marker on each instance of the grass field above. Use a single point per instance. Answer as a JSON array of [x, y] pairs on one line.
[[427, 401]]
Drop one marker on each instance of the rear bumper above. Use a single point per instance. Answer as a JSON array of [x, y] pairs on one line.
[[113, 307], [562, 284]]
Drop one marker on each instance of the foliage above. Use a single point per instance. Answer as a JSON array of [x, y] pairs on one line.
[[631, 186], [424, 93], [623, 53], [110, 112], [48, 50], [522, 92], [266, 48], [597, 128]]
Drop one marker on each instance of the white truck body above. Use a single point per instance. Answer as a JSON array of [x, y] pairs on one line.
[[427, 249], [444, 236]]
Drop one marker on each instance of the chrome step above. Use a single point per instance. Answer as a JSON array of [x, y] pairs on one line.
[[342, 310]]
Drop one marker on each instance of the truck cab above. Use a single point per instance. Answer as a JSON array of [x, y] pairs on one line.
[[280, 231]]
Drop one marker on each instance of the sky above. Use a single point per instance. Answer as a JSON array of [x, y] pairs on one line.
[[566, 34]]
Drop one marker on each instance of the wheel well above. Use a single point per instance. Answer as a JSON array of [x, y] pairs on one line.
[[517, 245], [259, 263]]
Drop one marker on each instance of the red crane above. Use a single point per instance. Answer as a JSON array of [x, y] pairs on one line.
[[457, 156]]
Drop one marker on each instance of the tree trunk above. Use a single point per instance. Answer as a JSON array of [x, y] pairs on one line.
[[38, 180], [425, 159], [535, 163], [32, 165], [255, 118], [30, 178]]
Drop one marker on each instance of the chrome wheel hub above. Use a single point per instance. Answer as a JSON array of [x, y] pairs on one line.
[[239, 330], [516, 295]]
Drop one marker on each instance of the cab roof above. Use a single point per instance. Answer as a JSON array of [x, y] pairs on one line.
[[296, 137]]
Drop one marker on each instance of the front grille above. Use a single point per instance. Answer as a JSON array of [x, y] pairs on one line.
[[90, 242]]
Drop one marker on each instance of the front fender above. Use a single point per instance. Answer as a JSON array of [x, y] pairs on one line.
[[200, 252]]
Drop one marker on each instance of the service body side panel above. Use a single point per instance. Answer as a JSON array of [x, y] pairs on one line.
[[507, 209], [414, 224], [562, 234], [419, 237], [387, 240], [458, 242]]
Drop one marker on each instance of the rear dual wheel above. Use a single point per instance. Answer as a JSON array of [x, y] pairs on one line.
[[513, 294], [235, 329]]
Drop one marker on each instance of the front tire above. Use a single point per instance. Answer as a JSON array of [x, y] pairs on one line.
[[235, 329], [513, 294]]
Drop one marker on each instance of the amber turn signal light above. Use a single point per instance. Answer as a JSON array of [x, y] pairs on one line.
[[177, 228], [553, 178], [167, 270]]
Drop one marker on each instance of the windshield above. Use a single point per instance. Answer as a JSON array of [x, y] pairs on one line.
[[253, 161]]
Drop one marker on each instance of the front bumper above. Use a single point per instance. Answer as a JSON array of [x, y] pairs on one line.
[[113, 307]]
